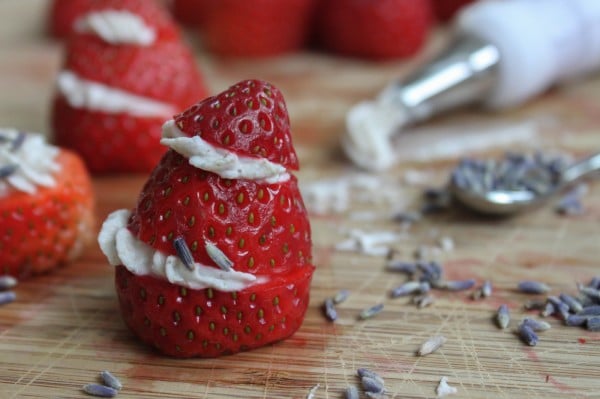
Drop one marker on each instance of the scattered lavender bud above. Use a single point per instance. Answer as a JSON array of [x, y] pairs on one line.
[[370, 374], [570, 204], [352, 392], [423, 300], [503, 316], [402, 267], [407, 217], [7, 297], [341, 296], [421, 253], [329, 310], [548, 310], [7, 170], [431, 345], [535, 304], [594, 282], [7, 282], [559, 306], [536, 325], [593, 293], [533, 287], [457, 285], [593, 323], [218, 256], [312, 392], [446, 243], [573, 304], [110, 380], [592, 310], [443, 389], [432, 271], [409, 288], [18, 141], [575, 320], [184, 253], [372, 385], [101, 391], [486, 289], [370, 312], [528, 335]]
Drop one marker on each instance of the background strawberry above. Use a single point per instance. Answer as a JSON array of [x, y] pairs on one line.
[[444, 10], [242, 28], [164, 72], [382, 29], [42, 230], [261, 227], [62, 14], [188, 12]]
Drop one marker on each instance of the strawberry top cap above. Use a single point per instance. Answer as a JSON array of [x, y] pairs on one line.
[[249, 119]]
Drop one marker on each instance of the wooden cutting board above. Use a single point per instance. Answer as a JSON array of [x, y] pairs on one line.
[[65, 327]]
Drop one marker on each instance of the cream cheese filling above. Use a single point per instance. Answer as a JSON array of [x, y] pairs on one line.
[[116, 27]]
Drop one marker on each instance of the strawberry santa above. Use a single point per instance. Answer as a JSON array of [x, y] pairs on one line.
[[126, 70], [216, 256]]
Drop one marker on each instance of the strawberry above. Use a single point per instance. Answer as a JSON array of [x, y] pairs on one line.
[[377, 30], [112, 96], [45, 219], [444, 10], [188, 12], [259, 28], [257, 226], [62, 14]]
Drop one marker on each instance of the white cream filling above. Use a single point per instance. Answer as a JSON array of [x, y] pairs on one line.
[[34, 162], [116, 27], [225, 163], [123, 248], [93, 96]]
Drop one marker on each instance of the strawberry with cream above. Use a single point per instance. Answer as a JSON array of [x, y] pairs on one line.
[[126, 70]]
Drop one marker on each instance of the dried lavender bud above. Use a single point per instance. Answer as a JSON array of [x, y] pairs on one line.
[[456, 285], [592, 310], [528, 335], [593, 323], [8, 170], [184, 253], [370, 312], [407, 217], [101, 391], [423, 300], [364, 372], [503, 316], [486, 288], [402, 267], [18, 141], [431, 345], [218, 256], [594, 282], [569, 205], [431, 271], [340, 296], [446, 243], [590, 292], [559, 306], [443, 389], [372, 385], [535, 304], [409, 288], [533, 287], [352, 392], [548, 310], [110, 380], [7, 282], [573, 304], [329, 310], [536, 325], [575, 320], [7, 297]]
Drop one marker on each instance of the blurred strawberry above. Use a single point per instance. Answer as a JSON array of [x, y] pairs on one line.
[[188, 12], [242, 28], [125, 72], [444, 10], [374, 29], [62, 14]]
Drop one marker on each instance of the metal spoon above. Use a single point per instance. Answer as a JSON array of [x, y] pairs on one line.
[[506, 202]]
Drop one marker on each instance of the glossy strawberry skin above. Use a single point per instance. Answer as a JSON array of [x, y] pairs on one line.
[[258, 28], [62, 14], [377, 30], [182, 322], [41, 231], [263, 228], [249, 119], [189, 12]]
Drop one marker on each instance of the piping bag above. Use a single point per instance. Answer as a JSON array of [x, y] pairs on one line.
[[504, 52]]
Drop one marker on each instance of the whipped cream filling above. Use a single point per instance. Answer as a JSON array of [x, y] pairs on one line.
[[226, 164], [94, 96], [116, 27], [121, 247], [27, 162]]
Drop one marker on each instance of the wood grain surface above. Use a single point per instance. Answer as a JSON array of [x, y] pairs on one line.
[[64, 328]]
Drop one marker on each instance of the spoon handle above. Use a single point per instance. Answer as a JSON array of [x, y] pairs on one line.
[[581, 169]]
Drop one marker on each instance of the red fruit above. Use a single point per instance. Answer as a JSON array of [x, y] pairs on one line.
[[163, 72], [62, 14], [42, 230], [377, 30], [188, 12], [261, 227], [259, 28], [444, 10]]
